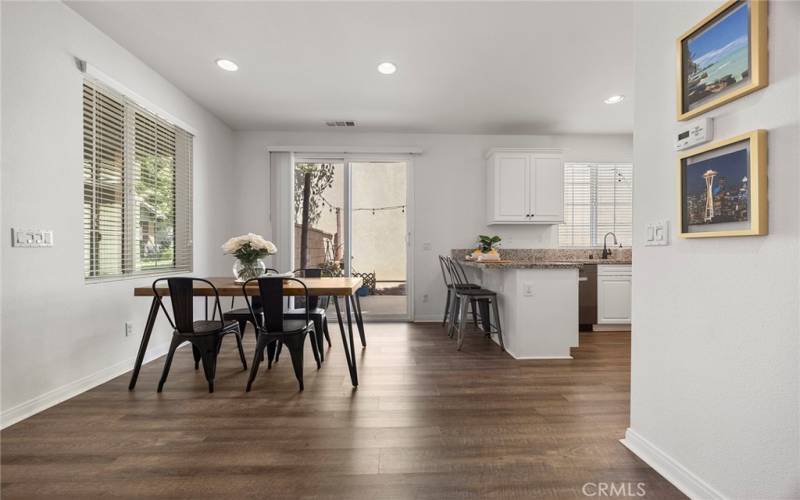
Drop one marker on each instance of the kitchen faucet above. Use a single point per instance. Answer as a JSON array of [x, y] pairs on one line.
[[606, 251]]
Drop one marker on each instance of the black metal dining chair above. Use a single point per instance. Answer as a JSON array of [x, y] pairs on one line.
[[316, 308], [204, 335], [242, 314], [276, 327]]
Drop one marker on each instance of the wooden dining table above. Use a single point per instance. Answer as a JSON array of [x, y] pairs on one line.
[[345, 287]]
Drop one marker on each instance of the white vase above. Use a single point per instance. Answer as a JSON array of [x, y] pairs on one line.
[[245, 270]]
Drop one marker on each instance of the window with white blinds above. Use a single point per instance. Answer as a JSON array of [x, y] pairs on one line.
[[598, 198], [137, 189]]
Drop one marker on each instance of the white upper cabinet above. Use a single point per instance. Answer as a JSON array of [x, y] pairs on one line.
[[525, 186], [546, 187], [511, 180]]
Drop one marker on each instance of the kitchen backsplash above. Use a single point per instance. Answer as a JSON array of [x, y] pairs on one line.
[[554, 254]]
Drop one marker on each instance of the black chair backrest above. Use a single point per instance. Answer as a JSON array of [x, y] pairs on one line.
[[445, 272], [311, 272], [270, 291], [182, 299], [457, 274], [462, 275], [257, 300]]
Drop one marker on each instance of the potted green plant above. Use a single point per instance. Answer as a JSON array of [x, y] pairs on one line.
[[487, 248]]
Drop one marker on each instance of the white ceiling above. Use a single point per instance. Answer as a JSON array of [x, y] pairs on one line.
[[539, 67]]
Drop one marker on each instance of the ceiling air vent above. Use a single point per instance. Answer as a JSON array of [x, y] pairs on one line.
[[340, 124]]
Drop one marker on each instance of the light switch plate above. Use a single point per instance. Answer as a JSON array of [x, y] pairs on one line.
[[31, 238], [656, 234]]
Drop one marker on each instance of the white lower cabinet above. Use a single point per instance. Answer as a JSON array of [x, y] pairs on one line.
[[613, 294]]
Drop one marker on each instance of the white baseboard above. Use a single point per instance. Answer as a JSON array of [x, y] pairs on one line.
[[622, 327], [523, 358], [428, 318], [72, 389], [530, 357], [681, 477]]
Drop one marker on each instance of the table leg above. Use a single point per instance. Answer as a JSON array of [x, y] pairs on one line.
[[352, 344], [148, 329], [347, 350], [359, 319]]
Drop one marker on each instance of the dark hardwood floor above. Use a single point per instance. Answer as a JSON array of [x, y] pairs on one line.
[[426, 422]]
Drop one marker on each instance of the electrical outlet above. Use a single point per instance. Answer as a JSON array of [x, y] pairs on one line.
[[128, 328], [426, 247], [527, 289], [425, 298]]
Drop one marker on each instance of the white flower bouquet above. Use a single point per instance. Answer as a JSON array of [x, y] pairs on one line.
[[249, 249]]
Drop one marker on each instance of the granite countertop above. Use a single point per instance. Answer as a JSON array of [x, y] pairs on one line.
[[542, 264], [522, 264], [610, 262], [551, 258]]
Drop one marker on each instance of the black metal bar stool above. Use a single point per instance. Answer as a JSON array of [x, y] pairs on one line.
[[458, 278], [482, 296], [451, 285], [474, 295]]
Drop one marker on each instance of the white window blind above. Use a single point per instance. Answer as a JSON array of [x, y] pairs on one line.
[[137, 171], [598, 198]]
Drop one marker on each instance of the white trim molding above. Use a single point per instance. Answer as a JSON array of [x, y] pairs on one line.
[[544, 358], [681, 477], [617, 327], [427, 318], [60, 394], [555, 151], [346, 150], [97, 75]]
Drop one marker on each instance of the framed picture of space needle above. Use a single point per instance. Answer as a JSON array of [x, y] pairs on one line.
[[723, 57], [723, 188]]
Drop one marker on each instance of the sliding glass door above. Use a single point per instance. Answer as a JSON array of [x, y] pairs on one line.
[[379, 236], [351, 218], [318, 203]]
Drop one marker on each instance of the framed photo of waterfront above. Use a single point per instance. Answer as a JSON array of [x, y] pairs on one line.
[[723, 188], [723, 57]]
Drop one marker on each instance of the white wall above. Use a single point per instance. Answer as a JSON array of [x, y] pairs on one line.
[[714, 396], [61, 335], [448, 188]]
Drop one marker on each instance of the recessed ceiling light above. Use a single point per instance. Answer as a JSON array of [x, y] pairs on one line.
[[614, 99], [227, 65], [387, 68]]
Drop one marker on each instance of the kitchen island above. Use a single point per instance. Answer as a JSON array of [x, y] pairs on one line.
[[538, 291], [538, 303]]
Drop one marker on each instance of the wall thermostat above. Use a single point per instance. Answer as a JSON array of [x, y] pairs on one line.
[[694, 133]]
